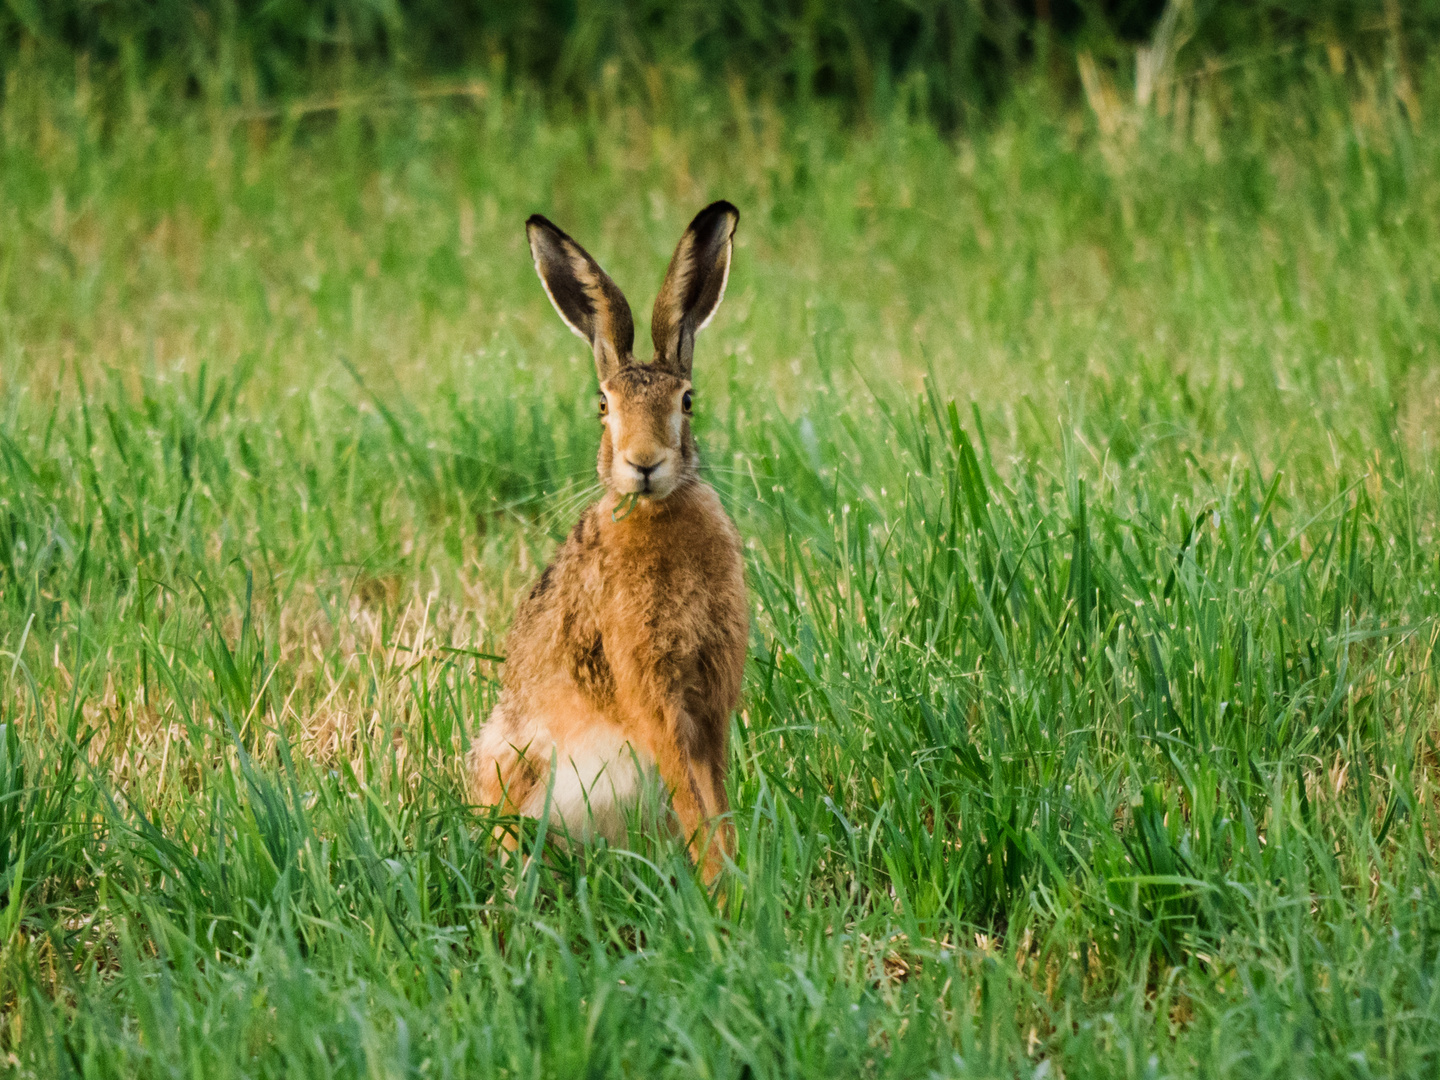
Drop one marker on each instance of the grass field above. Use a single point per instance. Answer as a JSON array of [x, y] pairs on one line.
[[1088, 472]]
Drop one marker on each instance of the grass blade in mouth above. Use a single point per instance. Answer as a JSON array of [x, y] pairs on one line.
[[624, 507]]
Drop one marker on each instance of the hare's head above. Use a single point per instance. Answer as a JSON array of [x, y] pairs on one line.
[[647, 448]]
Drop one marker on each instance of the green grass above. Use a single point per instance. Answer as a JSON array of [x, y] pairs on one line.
[[1089, 481]]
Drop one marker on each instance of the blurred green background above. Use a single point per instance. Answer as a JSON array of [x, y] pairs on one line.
[[953, 60], [1074, 393]]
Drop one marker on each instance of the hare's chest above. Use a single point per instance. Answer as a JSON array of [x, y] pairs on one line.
[[673, 590], [664, 586]]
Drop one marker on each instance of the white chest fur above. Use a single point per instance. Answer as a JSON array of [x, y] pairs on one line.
[[595, 781]]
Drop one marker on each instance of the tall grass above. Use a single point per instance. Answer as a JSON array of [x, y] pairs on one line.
[[1090, 495]]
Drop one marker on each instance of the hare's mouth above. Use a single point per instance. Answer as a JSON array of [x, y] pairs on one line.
[[650, 479]]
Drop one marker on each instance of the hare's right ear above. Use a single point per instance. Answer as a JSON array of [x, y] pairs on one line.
[[590, 303], [694, 286]]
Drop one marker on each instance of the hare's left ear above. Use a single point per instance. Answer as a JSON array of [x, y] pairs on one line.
[[694, 286]]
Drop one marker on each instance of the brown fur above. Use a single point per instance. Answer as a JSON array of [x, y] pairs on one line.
[[633, 640]]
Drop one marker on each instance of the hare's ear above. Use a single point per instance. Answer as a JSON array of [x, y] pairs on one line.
[[694, 286], [590, 303]]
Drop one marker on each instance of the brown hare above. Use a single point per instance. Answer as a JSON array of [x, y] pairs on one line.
[[626, 656]]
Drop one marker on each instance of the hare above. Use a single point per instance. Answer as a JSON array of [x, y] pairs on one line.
[[626, 656]]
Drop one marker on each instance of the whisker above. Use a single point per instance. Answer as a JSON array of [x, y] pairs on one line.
[[552, 485], [563, 504], [566, 508], [567, 505]]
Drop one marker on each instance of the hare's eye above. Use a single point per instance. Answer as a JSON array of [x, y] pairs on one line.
[[685, 401], [604, 405]]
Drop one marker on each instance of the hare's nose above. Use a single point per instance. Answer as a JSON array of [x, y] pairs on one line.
[[643, 470]]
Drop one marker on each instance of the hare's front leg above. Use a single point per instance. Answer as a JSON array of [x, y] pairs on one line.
[[697, 793], [719, 839]]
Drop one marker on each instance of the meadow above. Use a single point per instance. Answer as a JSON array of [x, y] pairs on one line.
[[1087, 468]]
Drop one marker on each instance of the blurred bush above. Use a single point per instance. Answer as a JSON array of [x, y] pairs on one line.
[[950, 59]]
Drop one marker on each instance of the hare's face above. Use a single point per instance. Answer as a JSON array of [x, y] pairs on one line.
[[647, 448]]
